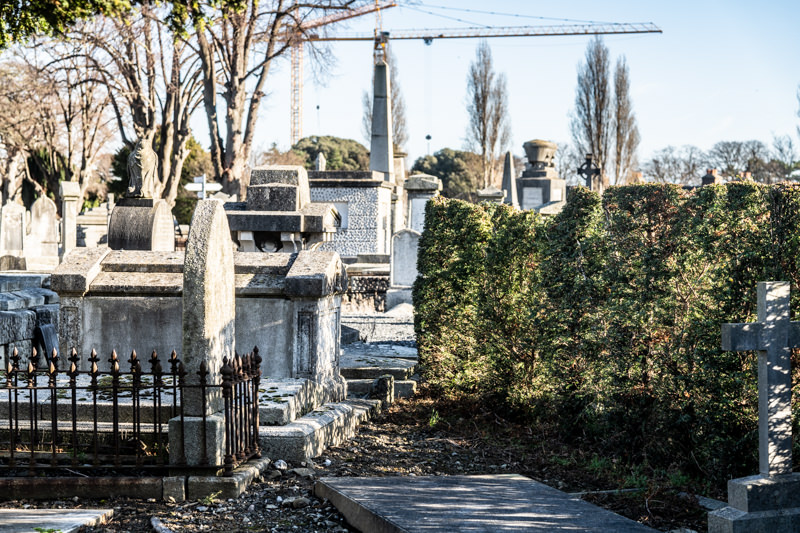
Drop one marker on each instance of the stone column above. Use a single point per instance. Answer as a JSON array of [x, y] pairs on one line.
[[209, 314], [381, 153], [420, 189], [70, 195]]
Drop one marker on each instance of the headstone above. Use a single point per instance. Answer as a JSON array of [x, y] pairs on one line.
[[321, 163], [209, 309], [381, 153], [510, 181], [12, 229], [41, 244], [209, 314], [405, 244], [769, 501], [70, 195]]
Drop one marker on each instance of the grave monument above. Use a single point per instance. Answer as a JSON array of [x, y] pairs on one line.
[[539, 188], [769, 501], [138, 221]]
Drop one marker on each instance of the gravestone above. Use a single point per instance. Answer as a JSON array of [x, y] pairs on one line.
[[209, 313], [41, 244], [769, 501], [403, 269], [321, 163], [12, 229]]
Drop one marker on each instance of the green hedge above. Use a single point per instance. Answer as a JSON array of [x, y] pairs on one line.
[[605, 319]]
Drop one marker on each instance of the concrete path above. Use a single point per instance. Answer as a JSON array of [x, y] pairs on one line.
[[474, 504], [61, 520]]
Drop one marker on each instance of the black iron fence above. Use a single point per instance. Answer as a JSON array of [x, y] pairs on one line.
[[54, 418]]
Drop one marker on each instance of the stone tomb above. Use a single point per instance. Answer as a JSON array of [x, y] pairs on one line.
[[769, 501], [286, 304], [278, 215]]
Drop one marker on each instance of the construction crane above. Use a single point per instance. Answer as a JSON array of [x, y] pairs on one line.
[[381, 39], [296, 37]]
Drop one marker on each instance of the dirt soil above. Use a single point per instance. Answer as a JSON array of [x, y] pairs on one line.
[[414, 437]]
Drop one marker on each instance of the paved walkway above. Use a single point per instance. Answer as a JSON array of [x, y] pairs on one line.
[[467, 504], [61, 520]]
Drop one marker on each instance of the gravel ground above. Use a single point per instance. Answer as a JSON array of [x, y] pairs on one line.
[[413, 438]]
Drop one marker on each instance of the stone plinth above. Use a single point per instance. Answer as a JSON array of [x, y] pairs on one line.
[[491, 194], [420, 189], [141, 224]]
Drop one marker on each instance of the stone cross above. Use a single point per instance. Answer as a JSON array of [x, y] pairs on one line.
[[773, 336]]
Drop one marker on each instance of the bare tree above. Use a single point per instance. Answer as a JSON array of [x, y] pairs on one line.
[[155, 82], [784, 155], [567, 161], [237, 42], [684, 165], [489, 130], [591, 123], [626, 133], [399, 127]]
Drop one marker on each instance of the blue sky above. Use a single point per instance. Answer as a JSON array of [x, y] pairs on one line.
[[719, 71]]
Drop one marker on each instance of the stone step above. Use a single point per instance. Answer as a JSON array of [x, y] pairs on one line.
[[309, 436], [371, 367], [404, 388], [283, 400]]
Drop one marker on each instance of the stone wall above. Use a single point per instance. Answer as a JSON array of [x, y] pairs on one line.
[[365, 294]]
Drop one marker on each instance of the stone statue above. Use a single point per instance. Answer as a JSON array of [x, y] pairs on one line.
[[142, 168]]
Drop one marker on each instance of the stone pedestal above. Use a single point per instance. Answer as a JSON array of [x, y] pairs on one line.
[[539, 187], [759, 504], [491, 194], [70, 194], [420, 189], [141, 224]]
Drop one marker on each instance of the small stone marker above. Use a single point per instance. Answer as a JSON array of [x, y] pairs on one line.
[[769, 501]]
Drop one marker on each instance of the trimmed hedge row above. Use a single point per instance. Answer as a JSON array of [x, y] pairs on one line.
[[605, 319]]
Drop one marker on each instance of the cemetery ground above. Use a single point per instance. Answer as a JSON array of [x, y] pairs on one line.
[[421, 436]]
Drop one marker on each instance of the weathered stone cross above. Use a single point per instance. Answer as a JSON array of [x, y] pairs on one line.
[[773, 336]]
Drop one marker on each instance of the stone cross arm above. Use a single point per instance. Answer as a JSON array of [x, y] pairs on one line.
[[742, 337]]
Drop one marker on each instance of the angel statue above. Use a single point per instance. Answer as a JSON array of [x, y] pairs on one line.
[[142, 167]]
